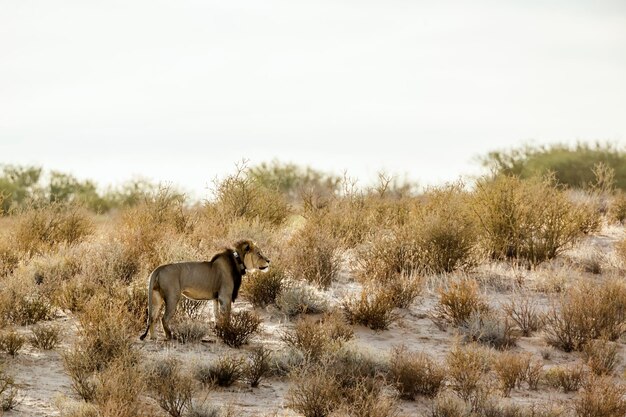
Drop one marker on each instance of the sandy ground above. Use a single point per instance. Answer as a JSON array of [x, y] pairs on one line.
[[44, 384]]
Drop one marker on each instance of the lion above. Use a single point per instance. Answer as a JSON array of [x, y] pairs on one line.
[[218, 279]]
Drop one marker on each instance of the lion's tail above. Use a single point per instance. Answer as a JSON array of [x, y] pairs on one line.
[[153, 277]]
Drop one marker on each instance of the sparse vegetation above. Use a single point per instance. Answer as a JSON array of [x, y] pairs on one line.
[[237, 331], [74, 261]]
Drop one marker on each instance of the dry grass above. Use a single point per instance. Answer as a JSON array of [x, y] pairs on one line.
[[313, 256], [586, 312], [459, 300], [118, 389], [9, 392], [488, 329], [602, 356], [374, 308], [511, 370], [601, 397], [191, 331], [238, 331], [45, 336], [11, 341], [299, 298], [257, 366], [415, 374], [528, 220], [314, 393], [567, 377], [222, 372], [315, 338], [467, 367], [171, 387], [262, 289], [523, 311]]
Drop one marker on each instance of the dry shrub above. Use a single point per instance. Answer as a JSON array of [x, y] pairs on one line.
[[404, 289], [313, 255], [190, 331], [446, 405], [530, 220], [511, 370], [9, 392], [601, 397], [591, 260], [38, 229], [257, 366], [74, 294], [567, 377], [224, 371], [489, 329], [171, 387], [206, 410], [534, 373], [77, 409], [446, 230], [262, 288], [585, 312], [374, 308], [620, 250], [467, 367], [523, 312], [601, 356], [118, 389], [22, 303], [367, 400], [315, 338], [11, 341], [110, 262], [237, 331], [299, 298], [459, 301], [241, 195], [80, 367], [45, 336], [9, 258], [142, 228], [314, 392], [617, 209], [415, 374]]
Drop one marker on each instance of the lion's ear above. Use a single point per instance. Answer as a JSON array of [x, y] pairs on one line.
[[246, 247]]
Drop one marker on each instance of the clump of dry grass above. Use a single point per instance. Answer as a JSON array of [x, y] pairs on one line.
[[511, 370], [257, 366], [601, 397], [240, 195], [602, 356], [523, 311], [447, 405], [467, 367], [45, 336], [39, 228], [459, 300], [415, 373], [80, 367], [567, 377], [313, 255], [190, 331], [299, 298], [262, 289], [315, 338], [374, 308], [22, 302], [620, 250], [617, 209], [241, 327], [11, 341], [586, 312], [314, 392], [9, 392], [223, 372], [9, 258], [404, 289], [118, 389], [489, 329], [171, 387], [530, 220]]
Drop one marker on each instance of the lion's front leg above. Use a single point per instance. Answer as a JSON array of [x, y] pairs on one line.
[[216, 310]]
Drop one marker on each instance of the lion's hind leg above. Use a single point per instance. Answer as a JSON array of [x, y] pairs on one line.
[[170, 309], [157, 303]]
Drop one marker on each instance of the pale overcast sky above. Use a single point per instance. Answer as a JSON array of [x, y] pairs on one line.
[[180, 90]]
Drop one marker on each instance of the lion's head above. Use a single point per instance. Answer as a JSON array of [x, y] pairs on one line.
[[252, 256]]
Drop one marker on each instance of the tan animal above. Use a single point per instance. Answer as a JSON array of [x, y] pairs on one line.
[[218, 279]]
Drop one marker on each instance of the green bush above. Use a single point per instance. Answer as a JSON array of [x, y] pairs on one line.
[[572, 166]]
